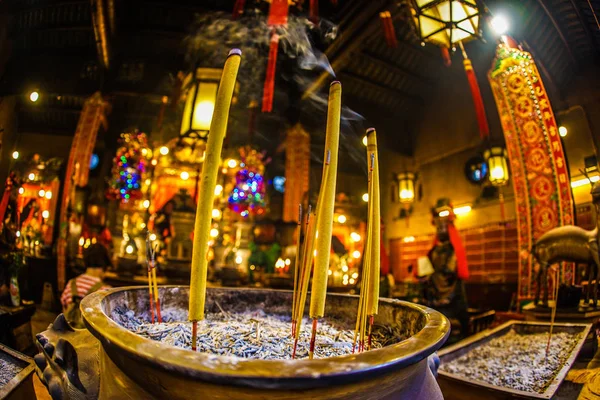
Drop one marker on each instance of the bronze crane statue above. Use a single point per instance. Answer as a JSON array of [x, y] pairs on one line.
[[569, 243]]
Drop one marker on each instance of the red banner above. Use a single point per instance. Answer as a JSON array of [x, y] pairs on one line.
[[77, 171], [539, 171], [297, 165]]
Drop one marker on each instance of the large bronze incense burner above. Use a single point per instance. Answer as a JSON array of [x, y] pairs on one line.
[[131, 366]]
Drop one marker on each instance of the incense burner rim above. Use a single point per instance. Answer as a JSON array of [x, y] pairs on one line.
[[254, 372]]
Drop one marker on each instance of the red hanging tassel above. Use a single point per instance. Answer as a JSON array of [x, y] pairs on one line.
[[10, 182], [269, 87], [393, 41], [484, 129], [446, 56], [238, 9], [314, 11], [252, 119], [278, 13], [388, 29]]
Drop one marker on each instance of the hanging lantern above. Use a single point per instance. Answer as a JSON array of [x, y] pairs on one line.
[[200, 102], [446, 22], [497, 166], [406, 187]]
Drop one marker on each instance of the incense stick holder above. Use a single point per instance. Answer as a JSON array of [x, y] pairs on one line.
[[134, 366]]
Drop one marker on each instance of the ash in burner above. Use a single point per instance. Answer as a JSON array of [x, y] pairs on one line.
[[8, 368], [516, 361], [250, 334]]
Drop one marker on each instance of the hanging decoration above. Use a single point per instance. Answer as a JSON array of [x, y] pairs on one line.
[[537, 161], [129, 166], [446, 23], [297, 166], [249, 194], [388, 28], [313, 11], [484, 130], [77, 170], [278, 16]]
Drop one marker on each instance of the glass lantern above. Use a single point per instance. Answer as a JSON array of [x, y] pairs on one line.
[[200, 102], [406, 187], [446, 22], [497, 166]]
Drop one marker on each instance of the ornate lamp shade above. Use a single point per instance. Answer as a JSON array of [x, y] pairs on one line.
[[498, 169], [199, 102], [406, 187], [446, 22]]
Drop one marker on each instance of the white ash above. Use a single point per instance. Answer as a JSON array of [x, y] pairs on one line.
[[249, 334], [8, 369], [516, 361]]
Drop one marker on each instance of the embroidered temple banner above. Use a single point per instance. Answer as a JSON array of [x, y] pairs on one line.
[[297, 165], [537, 161], [78, 168]]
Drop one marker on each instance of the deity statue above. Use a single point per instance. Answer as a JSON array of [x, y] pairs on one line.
[[444, 284]]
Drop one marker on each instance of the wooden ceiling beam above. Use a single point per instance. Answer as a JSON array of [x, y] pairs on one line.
[[379, 87], [373, 59]]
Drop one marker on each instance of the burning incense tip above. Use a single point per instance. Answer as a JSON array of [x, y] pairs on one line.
[[234, 51], [370, 130], [335, 83]]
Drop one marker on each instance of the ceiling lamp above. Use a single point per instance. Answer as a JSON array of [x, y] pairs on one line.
[[199, 102], [498, 168], [446, 22], [406, 187]]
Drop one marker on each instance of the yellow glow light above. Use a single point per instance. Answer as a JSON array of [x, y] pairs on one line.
[[214, 232], [356, 254], [231, 163], [352, 281], [144, 151], [129, 249], [184, 175], [154, 162], [34, 96], [45, 214], [18, 233], [148, 182], [218, 190], [15, 155], [444, 213], [238, 261], [364, 141], [164, 150], [288, 261], [341, 219], [49, 195], [344, 268], [355, 275], [146, 203], [408, 239], [499, 24], [31, 176], [584, 181], [462, 210], [81, 241], [216, 213], [329, 272], [152, 237], [21, 190], [279, 263], [365, 197], [562, 131], [42, 193], [355, 237]]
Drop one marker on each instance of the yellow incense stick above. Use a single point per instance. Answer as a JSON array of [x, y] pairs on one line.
[[374, 227], [326, 203], [298, 261], [306, 267], [208, 181]]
